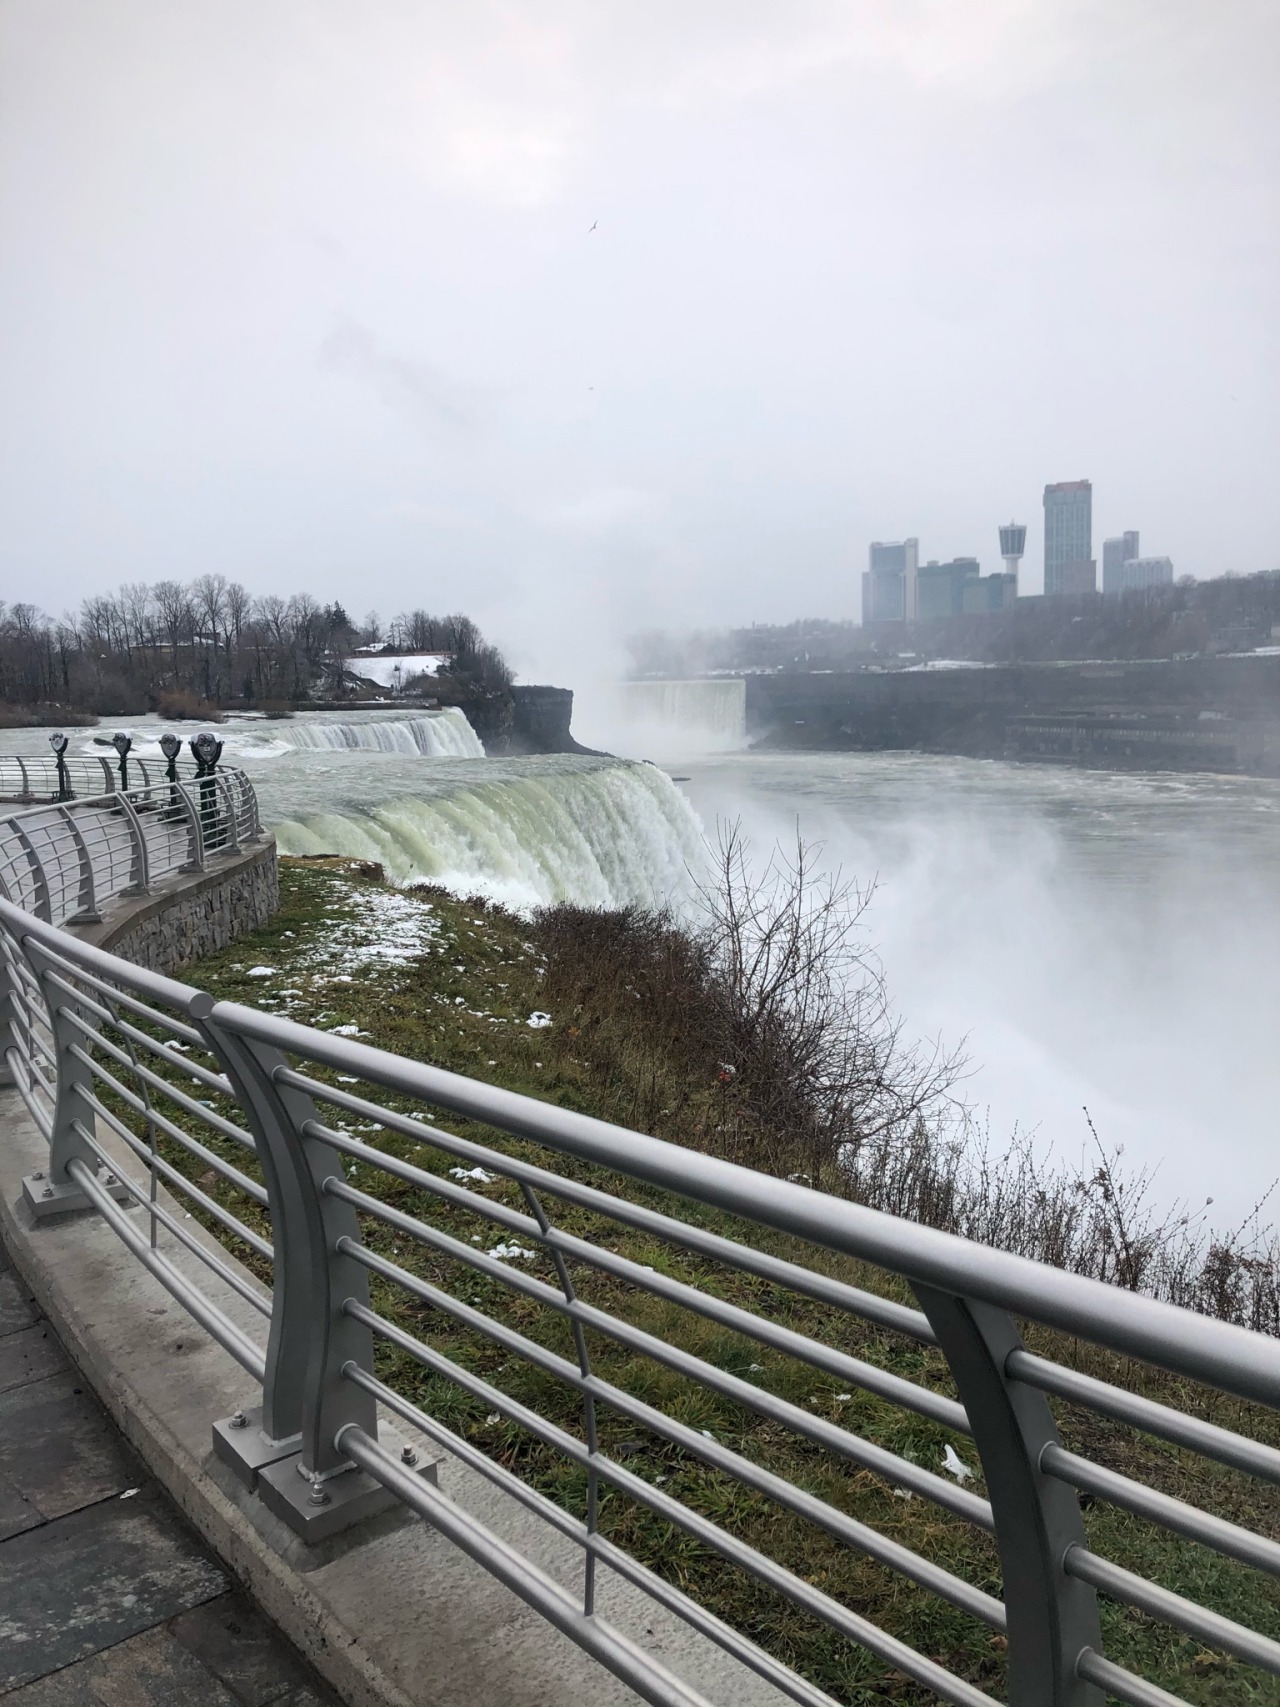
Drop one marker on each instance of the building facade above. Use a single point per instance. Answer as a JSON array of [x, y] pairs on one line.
[[1115, 554], [889, 585], [1069, 566], [940, 587], [1141, 574]]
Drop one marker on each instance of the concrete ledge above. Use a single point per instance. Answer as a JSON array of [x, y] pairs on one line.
[[392, 1615], [190, 913]]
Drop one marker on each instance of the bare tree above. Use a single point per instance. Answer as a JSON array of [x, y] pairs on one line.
[[813, 1052]]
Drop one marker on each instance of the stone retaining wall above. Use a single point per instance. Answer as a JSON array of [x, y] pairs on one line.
[[191, 913]]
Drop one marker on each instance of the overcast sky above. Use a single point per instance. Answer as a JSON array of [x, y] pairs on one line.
[[309, 294]]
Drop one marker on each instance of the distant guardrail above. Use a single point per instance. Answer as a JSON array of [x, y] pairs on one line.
[[34, 777], [130, 1075], [63, 861]]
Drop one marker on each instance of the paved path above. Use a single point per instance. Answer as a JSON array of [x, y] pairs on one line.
[[107, 1597]]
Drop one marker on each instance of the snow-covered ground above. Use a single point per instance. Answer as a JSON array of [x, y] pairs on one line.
[[394, 672]]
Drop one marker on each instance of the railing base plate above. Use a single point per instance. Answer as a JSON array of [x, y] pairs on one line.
[[43, 1198], [245, 1449], [352, 1497]]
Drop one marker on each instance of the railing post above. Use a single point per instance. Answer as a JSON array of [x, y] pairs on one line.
[[183, 792], [52, 1191], [1052, 1617], [141, 884], [291, 1457], [87, 908], [232, 844], [43, 907]]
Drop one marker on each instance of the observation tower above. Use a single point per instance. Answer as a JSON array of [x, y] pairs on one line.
[[1013, 542]]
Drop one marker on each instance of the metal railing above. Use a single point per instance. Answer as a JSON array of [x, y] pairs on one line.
[[64, 861], [366, 1228], [37, 777]]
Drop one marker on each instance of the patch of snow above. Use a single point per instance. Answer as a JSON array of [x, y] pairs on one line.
[[538, 1021], [480, 1175], [954, 1465], [347, 1031], [261, 972], [507, 1252]]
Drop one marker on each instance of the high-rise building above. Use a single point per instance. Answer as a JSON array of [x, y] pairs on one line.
[[1141, 574], [1013, 542], [1069, 567], [889, 585], [1115, 554], [941, 587]]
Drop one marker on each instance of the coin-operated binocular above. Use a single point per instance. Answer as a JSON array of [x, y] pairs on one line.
[[171, 746], [122, 741], [58, 742], [208, 750]]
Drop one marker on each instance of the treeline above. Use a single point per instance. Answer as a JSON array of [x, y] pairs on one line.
[[1230, 613], [209, 642]]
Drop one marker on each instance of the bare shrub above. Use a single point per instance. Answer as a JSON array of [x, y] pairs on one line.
[[807, 1028], [180, 706]]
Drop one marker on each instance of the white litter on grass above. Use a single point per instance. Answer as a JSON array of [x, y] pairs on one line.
[[954, 1465], [506, 1252], [347, 1031], [172, 1043], [903, 1494], [538, 1021], [478, 1174], [261, 972], [493, 1417], [843, 1398], [347, 1079], [755, 1368]]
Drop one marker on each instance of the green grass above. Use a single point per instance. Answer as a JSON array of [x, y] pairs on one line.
[[460, 998]]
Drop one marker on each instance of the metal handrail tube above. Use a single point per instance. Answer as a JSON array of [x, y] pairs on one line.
[[1136, 1691], [1170, 1513], [219, 1326], [888, 1465], [741, 1553], [609, 1553], [176, 1178], [171, 1129], [884, 1312], [160, 1047], [844, 1528], [1229, 1357], [19, 1071], [1161, 1603], [207, 1116], [651, 1681], [185, 1033], [946, 1412], [1252, 1456], [236, 1282]]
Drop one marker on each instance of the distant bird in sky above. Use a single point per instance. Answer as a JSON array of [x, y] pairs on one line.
[[593, 227]]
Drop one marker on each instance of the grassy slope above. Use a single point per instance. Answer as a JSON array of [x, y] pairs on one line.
[[456, 987]]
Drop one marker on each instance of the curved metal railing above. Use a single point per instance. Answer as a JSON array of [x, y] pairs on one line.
[[63, 861], [366, 1231], [27, 777]]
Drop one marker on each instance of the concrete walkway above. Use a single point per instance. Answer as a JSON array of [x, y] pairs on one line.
[[107, 1597]]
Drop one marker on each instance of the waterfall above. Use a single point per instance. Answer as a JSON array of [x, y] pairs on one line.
[[442, 734], [604, 836], [699, 716]]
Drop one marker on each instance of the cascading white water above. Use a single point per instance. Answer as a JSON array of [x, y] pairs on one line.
[[669, 717], [607, 835], [444, 734]]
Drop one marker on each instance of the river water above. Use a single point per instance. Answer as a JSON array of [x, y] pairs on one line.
[[1100, 940]]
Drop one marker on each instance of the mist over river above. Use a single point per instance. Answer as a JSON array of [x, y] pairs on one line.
[[1109, 940]]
